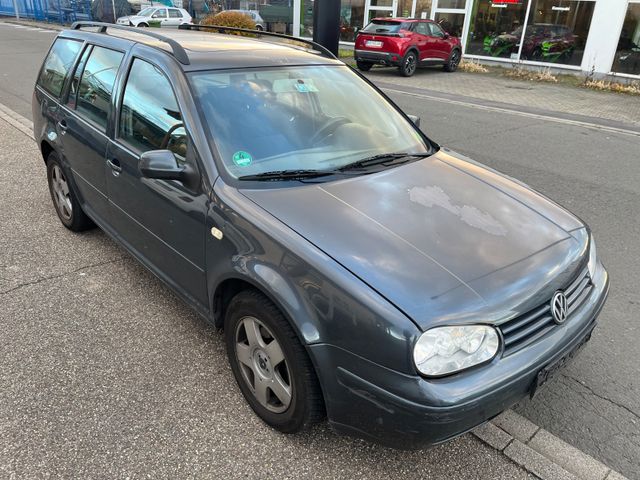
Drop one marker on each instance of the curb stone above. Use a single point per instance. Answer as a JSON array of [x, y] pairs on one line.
[[35, 24], [16, 120], [540, 452]]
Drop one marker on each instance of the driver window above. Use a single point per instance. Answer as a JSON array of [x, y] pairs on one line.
[[150, 118], [436, 31], [160, 13], [422, 28]]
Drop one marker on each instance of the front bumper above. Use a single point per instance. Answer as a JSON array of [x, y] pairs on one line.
[[367, 400], [381, 58]]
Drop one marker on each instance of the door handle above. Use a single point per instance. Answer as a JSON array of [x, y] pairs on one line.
[[115, 166], [62, 125]]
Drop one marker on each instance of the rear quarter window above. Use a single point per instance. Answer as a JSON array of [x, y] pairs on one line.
[[57, 65]]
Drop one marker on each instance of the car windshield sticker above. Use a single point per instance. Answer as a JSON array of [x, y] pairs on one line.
[[292, 85], [242, 159]]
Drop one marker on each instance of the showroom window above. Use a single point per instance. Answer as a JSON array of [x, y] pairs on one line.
[[557, 31], [351, 19], [496, 28], [450, 22], [627, 59]]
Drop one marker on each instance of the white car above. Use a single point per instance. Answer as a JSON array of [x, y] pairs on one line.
[[168, 17]]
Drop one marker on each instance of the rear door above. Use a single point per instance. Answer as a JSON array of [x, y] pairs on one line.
[[424, 41], [175, 17], [83, 125], [163, 221]]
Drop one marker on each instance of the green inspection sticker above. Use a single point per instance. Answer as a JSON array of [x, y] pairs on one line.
[[242, 159]]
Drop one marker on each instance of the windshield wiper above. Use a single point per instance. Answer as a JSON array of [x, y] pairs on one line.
[[287, 175], [385, 159]]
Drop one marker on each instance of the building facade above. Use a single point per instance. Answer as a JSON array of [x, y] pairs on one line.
[[601, 36]]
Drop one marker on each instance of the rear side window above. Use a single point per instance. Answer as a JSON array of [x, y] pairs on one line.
[[96, 85], [56, 66], [150, 118], [386, 26], [173, 13]]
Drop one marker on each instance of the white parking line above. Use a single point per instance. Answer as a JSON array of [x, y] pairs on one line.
[[489, 108]]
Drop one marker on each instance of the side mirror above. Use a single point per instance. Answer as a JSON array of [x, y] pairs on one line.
[[161, 164], [446, 35], [415, 119]]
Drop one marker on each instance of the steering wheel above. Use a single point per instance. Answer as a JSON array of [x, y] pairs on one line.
[[328, 128], [167, 136]]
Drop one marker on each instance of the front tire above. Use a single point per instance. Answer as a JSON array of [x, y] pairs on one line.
[[409, 64], [142, 25], [272, 369], [64, 199], [364, 66], [453, 61]]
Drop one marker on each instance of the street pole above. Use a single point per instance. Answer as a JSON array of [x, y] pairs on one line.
[[15, 7], [326, 24], [113, 4]]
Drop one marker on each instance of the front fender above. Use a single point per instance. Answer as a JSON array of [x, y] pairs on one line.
[[325, 303]]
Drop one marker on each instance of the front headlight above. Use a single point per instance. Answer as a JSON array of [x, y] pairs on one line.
[[593, 257], [444, 350]]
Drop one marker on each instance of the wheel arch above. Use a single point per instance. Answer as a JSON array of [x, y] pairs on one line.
[[230, 286], [46, 148]]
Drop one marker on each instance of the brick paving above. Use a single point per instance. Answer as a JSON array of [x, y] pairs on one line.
[[546, 96]]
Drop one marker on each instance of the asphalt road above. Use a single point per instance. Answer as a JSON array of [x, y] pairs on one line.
[[99, 342]]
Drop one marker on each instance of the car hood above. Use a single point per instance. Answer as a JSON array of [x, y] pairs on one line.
[[444, 239]]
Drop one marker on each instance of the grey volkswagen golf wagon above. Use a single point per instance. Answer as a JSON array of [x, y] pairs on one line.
[[360, 272]]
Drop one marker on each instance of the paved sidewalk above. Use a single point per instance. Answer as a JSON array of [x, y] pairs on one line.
[[545, 96]]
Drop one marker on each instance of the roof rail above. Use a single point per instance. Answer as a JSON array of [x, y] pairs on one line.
[[316, 46], [178, 52]]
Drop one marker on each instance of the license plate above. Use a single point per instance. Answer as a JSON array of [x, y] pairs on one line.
[[550, 370], [373, 43]]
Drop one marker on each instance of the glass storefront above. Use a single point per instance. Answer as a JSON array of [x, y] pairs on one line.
[[627, 58], [557, 31], [496, 28], [455, 4], [351, 18], [451, 23]]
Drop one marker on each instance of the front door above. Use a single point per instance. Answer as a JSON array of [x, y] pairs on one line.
[[162, 221], [83, 121], [161, 16], [441, 47]]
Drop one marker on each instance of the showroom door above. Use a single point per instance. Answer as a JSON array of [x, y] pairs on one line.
[[379, 8]]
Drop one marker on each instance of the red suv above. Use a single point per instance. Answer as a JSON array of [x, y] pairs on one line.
[[406, 43]]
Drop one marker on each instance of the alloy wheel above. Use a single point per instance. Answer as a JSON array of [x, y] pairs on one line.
[[263, 365], [455, 60], [61, 195], [410, 64]]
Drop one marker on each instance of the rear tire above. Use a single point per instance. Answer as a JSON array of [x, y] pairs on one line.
[[453, 61], [265, 356], [364, 66], [63, 197], [409, 64]]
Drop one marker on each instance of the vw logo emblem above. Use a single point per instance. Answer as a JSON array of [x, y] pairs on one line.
[[559, 307]]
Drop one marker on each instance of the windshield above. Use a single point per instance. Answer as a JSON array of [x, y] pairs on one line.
[[386, 26], [147, 12], [293, 118]]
